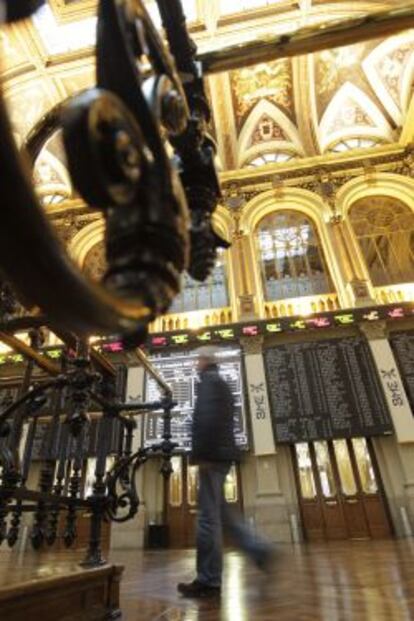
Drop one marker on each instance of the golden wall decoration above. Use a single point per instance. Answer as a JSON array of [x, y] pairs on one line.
[[338, 67], [13, 52], [67, 10], [271, 81]]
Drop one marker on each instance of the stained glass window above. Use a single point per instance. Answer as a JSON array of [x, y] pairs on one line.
[[353, 143], [213, 293], [291, 257], [276, 157], [384, 228]]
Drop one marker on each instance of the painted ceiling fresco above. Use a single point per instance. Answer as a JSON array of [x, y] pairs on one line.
[[334, 101]]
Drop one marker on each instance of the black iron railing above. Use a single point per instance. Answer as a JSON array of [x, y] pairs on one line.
[[60, 407]]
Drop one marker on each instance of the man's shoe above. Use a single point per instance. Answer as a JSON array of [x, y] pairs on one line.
[[197, 589]]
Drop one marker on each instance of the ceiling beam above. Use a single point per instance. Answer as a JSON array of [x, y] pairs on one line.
[[309, 40]]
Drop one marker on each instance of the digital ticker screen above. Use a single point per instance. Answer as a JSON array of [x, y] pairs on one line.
[[179, 371]]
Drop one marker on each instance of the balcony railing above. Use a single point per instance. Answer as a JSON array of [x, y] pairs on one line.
[[301, 306], [193, 320], [395, 293]]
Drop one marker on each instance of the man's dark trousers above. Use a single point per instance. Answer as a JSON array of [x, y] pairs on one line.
[[215, 514]]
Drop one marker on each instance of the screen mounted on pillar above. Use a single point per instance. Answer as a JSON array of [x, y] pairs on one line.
[[325, 389], [179, 371]]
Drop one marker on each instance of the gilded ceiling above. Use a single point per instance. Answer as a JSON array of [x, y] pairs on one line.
[[333, 102]]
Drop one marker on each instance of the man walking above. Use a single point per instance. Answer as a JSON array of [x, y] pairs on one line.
[[214, 449]]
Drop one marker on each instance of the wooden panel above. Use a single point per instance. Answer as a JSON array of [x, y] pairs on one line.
[[182, 519], [334, 520], [60, 593], [378, 522], [177, 527], [355, 518], [342, 511], [312, 518]]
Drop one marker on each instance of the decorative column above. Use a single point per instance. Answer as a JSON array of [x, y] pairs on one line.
[[391, 381], [264, 500], [243, 258], [226, 130], [357, 286], [396, 453], [261, 423]]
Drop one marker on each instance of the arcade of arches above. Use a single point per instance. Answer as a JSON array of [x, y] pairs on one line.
[[316, 160]]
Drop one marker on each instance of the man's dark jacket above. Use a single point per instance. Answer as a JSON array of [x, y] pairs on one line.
[[213, 420]]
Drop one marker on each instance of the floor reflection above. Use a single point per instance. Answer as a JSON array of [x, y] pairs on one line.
[[346, 581]]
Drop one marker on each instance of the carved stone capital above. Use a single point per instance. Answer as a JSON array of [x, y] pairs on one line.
[[374, 330], [246, 305], [252, 344], [360, 289], [336, 220]]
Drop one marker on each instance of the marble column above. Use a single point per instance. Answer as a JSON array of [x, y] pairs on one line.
[[395, 454], [265, 503]]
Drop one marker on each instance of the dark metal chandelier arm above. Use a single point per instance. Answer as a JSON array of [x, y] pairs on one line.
[[17, 324], [308, 40], [43, 273], [44, 129], [15, 10], [195, 148], [142, 281], [181, 44], [125, 34], [119, 163]]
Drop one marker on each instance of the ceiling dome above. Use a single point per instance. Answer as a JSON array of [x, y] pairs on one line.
[[335, 101]]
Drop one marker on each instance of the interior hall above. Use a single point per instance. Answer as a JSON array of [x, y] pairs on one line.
[[202, 196]]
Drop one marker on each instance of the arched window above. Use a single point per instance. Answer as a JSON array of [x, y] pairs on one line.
[[236, 6], [384, 227], [354, 143], [275, 157], [194, 295], [204, 295], [291, 257]]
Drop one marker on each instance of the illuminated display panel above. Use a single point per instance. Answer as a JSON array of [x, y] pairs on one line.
[[179, 371], [231, 334]]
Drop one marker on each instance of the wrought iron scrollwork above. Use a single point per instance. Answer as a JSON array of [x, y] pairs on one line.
[[121, 480], [194, 146], [115, 141], [63, 404]]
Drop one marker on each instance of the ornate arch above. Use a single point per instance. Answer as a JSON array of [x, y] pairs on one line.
[[390, 70], [384, 184], [85, 240], [291, 142], [292, 199], [352, 113]]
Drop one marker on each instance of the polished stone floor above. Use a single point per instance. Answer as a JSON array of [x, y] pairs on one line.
[[345, 581], [358, 581]]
